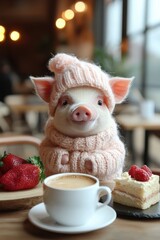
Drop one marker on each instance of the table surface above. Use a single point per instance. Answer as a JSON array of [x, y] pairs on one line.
[[16, 225], [22, 108], [25, 103], [132, 121]]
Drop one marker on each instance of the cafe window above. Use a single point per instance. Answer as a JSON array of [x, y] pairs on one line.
[[145, 26], [137, 22], [153, 12], [113, 16], [135, 16]]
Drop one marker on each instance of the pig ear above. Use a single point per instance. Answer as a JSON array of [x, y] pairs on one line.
[[43, 86], [120, 87]]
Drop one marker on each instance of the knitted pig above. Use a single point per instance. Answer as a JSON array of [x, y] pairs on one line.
[[81, 134]]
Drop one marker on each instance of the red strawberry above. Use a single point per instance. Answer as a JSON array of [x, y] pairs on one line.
[[8, 161], [147, 169], [1, 174], [132, 170], [141, 175], [24, 176]]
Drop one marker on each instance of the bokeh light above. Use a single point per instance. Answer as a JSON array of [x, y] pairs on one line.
[[80, 6], [68, 14], [2, 29], [60, 23], [2, 37], [14, 36]]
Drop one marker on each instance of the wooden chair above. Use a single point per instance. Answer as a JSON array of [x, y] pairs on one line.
[[19, 139]]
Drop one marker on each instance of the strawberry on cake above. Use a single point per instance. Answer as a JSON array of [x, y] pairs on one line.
[[137, 188]]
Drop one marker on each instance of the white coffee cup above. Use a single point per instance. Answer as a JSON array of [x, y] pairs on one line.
[[72, 198], [147, 109]]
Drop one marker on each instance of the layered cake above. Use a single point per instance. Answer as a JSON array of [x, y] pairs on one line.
[[137, 188]]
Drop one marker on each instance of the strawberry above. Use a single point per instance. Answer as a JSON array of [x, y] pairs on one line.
[[1, 174], [24, 176], [35, 160], [141, 175], [132, 170], [8, 161], [147, 169]]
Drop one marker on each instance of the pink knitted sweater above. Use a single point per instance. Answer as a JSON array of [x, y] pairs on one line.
[[105, 150]]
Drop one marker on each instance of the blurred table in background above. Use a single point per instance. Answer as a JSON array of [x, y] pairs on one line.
[[30, 106], [4, 111], [25, 103], [129, 122]]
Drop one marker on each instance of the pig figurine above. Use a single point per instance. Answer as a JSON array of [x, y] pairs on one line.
[[81, 134]]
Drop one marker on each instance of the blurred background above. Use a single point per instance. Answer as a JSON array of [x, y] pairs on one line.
[[123, 36]]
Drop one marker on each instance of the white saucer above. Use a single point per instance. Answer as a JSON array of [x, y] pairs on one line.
[[102, 218]]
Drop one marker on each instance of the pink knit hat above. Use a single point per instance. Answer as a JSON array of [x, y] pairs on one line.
[[71, 72]]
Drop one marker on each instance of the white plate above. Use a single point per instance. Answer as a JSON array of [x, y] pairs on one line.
[[102, 218]]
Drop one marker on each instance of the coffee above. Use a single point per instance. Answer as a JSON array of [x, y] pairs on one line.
[[71, 199], [71, 182]]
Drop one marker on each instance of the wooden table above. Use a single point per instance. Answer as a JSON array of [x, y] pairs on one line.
[[24, 104], [15, 225], [4, 111], [129, 123]]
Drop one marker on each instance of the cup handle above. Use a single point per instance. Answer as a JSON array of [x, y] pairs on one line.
[[106, 190]]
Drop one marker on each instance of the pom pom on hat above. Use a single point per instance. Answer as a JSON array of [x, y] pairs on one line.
[[60, 62]]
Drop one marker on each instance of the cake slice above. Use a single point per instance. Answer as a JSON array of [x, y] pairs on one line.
[[141, 193]]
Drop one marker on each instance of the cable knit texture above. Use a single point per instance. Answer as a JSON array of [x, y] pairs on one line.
[[102, 154], [105, 150]]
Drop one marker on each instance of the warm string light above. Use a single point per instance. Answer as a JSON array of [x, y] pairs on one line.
[[60, 23], [2, 33], [14, 35], [2, 29], [2, 37], [69, 14], [80, 6]]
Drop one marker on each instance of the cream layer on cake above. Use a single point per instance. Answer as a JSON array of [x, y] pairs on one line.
[[135, 193]]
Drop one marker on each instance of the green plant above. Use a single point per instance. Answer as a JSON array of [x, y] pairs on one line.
[[115, 66]]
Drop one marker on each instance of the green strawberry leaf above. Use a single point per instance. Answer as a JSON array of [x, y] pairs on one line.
[[35, 160], [2, 157]]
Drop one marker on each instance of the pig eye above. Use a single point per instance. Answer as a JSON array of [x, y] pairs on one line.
[[65, 102], [100, 102]]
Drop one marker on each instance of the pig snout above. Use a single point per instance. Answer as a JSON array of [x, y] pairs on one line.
[[81, 114]]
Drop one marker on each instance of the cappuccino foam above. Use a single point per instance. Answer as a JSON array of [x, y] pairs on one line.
[[71, 182]]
